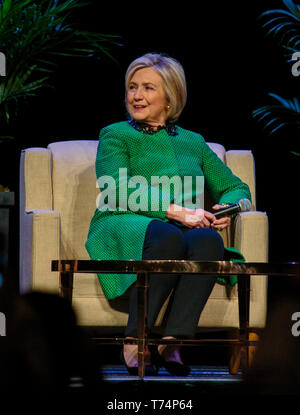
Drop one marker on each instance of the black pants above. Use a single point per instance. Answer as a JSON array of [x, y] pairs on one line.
[[167, 241]]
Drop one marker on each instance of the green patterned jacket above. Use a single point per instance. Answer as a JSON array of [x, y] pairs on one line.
[[118, 233]]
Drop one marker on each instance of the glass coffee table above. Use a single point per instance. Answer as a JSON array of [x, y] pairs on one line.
[[243, 271]]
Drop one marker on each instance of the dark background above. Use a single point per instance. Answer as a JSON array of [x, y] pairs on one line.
[[230, 68]]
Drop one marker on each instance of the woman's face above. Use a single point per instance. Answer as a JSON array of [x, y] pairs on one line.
[[146, 99]]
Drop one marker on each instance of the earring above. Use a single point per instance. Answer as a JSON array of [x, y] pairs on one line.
[[168, 107]]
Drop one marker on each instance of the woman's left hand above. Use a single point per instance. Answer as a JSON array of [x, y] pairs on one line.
[[221, 223]]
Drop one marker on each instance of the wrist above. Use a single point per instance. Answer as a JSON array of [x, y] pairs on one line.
[[170, 214], [176, 212]]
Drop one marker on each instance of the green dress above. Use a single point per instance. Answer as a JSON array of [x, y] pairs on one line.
[[128, 164]]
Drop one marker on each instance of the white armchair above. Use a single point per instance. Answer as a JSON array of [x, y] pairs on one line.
[[58, 194]]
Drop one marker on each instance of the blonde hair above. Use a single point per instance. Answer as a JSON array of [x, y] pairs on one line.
[[173, 80]]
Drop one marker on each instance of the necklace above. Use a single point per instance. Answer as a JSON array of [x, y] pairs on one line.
[[149, 129]]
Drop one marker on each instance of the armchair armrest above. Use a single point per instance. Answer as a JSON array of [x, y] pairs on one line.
[[251, 235], [251, 238], [39, 245]]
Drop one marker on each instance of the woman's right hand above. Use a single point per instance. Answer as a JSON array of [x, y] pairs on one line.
[[192, 218]]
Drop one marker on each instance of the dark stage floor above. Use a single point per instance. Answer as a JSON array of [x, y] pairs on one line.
[[125, 394], [119, 393], [210, 375]]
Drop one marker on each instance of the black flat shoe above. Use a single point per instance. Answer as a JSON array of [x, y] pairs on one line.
[[174, 368], [150, 370]]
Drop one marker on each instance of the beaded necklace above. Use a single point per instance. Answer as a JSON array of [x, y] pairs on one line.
[[148, 129]]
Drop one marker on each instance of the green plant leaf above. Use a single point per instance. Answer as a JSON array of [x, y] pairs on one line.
[[276, 116], [284, 25], [6, 137], [292, 7], [6, 7], [280, 11], [32, 35]]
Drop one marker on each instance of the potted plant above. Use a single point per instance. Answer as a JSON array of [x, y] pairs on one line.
[[284, 26], [32, 35]]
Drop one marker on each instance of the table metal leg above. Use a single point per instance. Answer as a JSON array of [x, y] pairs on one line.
[[244, 315], [66, 274], [239, 354], [66, 284], [142, 307], [244, 302]]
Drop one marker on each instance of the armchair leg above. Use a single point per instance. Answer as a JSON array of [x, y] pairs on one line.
[[242, 356], [253, 336], [235, 359]]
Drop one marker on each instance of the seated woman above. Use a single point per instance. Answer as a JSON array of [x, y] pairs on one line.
[[138, 219]]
